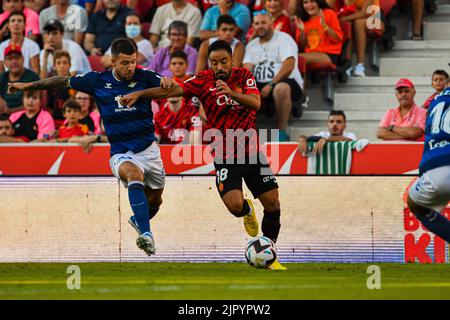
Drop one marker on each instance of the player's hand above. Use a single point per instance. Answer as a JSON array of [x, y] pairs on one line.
[[222, 88], [166, 83], [318, 148], [302, 146], [16, 86], [130, 99]]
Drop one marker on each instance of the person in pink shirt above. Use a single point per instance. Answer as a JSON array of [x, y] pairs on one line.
[[33, 123], [32, 18], [407, 121]]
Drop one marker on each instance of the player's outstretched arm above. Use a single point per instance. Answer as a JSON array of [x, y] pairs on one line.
[[46, 84], [154, 93]]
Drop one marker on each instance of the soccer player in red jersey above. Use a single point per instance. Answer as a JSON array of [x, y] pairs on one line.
[[231, 100], [177, 121]]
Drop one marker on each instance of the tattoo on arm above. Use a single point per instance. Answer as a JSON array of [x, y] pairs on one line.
[[50, 83]]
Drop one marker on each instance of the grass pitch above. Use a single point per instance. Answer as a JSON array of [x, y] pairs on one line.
[[222, 281]]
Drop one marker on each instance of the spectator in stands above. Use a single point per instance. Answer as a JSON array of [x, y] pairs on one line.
[[238, 11], [57, 97], [14, 62], [31, 19], [86, 142], [74, 19], [438, 81], [133, 28], [177, 122], [359, 21], [105, 26], [35, 5], [30, 49], [89, 114], [281, 22], [72, 126], [178, 31], [318, 32], [226, 30], [177, 10], [54, 40], [417, 16], [407, 121], [178, 66], [87, 5], [273, 59], [7, 131], [337, 123], [33, 123]]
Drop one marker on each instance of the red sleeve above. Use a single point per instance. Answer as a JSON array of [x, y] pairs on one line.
[[192, 86], [249, 86], [333, 22]]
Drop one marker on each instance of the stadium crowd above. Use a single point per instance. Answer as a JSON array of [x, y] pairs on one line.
[[279, 41]]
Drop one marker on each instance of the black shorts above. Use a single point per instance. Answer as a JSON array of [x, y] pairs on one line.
[[296, 91], [334, 58], [258, 177]]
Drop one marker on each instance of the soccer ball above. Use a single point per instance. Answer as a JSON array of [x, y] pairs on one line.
[[260, 252]]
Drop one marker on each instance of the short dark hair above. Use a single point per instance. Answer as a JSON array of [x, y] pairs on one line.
[[5, 117], [441, 73], [18, 13], [134, 14], [225, 19], [71, 104], [337, 113], [124, 46], [62, 53], [179, 25], [219, 45], [179, 54]]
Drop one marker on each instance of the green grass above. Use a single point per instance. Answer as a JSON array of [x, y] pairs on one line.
[[222, 281]]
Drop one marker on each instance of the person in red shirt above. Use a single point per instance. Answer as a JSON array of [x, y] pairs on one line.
[[177, 122], [318, 32], [438, 83], [72, 127], [231, 100]]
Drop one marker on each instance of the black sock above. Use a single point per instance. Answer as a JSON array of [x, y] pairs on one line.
[[271, 224], [245, 210], [152, 212]]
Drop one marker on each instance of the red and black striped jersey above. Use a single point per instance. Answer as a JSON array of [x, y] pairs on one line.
[[171, 127], [222, 112]]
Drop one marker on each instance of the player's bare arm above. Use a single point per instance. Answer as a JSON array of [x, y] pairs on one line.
[[154, 93], [247, 100], [46, 84]]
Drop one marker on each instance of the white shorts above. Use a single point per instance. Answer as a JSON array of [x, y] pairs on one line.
[[149, 161], [432, 189]]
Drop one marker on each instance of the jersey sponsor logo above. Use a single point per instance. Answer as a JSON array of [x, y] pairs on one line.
[[225, 100], [121, 108], [268, 178], [436, 145]]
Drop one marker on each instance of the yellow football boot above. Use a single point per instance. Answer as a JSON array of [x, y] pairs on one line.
[[251, 224], [276, 265]]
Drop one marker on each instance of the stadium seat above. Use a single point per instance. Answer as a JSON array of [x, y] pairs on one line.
[[96, 64], [327, 70]]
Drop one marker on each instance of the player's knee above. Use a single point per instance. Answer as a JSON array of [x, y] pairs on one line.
[[235, 207], [272, 205], [416, 209]]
